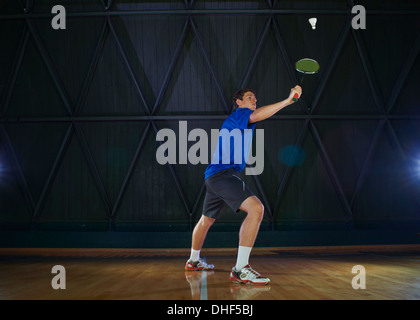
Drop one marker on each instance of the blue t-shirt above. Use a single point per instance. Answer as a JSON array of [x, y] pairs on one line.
[[234, 143]]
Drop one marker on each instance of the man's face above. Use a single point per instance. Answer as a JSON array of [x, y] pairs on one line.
[[248, 101]]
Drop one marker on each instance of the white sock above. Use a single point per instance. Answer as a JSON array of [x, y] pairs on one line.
[[195, 255], [243, 257]]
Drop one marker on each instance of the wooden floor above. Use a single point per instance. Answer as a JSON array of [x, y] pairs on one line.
[[310, 273]]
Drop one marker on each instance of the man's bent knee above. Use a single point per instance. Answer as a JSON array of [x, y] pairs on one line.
[[259, 210], [253, 206], [206, 221]]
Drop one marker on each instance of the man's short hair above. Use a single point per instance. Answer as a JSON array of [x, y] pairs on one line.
[[240, 95]]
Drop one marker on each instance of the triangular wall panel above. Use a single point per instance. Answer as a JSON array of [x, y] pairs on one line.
[[150, 58], [72, 69], [113, 146], [151, 195], [34, 92], [11, 32], [36, 147], [112, 91], [310, 196], [230, 41], [406, 102], [74, 197], [15, 209], [347, 143], [191, 88], [388, 174], [341, 96], [388, 47]]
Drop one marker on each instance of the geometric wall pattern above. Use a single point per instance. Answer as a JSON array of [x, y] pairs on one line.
[[80, 109]]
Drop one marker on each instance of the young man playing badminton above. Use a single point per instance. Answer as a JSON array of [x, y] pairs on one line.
[[224, 186]]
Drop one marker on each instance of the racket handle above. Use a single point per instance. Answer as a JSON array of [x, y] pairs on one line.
[[295, 97]]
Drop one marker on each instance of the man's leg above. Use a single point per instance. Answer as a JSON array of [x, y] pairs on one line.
[[198, 237], [200, 232], [242, 272], [250, 226], [249, 229]]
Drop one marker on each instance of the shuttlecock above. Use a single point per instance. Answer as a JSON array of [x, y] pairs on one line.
[[312, 21]]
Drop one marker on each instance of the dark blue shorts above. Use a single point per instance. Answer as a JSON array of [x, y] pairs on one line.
[[224, 187]]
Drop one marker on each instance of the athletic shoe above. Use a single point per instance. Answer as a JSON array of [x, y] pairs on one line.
[[198, 265], [247, 275]]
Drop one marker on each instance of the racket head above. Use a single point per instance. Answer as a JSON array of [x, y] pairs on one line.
[[307, 66]]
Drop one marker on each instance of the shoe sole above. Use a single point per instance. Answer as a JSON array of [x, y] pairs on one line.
[[197, 269], [235, 279]]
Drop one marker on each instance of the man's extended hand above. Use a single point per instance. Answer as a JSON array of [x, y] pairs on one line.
[[265, 112], [293, 91]]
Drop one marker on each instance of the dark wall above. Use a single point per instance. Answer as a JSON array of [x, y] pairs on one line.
[[81, 107]]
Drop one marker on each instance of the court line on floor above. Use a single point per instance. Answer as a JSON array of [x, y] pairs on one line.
[[203, 285]]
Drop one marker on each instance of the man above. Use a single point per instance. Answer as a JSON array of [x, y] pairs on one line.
[[224, 186]]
